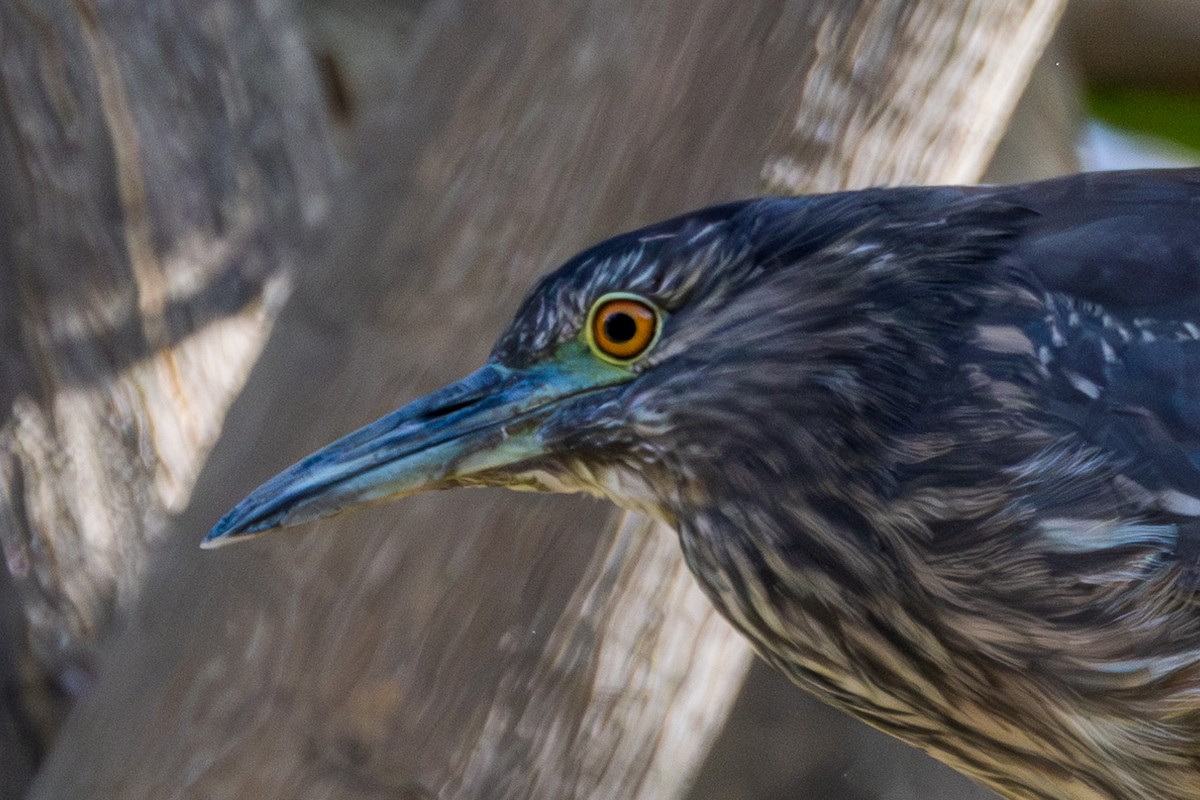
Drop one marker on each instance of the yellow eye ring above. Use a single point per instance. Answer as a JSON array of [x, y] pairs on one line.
[[622, 327]]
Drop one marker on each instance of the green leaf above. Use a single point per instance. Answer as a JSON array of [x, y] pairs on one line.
[[1166, 114]]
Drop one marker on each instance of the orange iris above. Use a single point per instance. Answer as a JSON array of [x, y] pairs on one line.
[[622, 327]]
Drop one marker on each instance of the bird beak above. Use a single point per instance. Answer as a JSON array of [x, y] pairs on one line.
[[463, 434]]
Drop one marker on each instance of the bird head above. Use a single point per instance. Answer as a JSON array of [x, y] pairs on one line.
[[644, 369]]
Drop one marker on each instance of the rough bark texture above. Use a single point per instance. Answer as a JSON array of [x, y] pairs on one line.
[[146, 229], [470, 645], [910, 93]]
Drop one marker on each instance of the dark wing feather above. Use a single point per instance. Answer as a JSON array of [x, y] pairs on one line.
[[1119, 254], [1129, 241]]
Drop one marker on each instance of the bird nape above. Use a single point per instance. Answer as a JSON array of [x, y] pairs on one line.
[[934, 451]]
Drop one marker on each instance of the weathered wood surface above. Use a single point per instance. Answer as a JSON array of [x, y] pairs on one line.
[[481, 644], [158, 181]]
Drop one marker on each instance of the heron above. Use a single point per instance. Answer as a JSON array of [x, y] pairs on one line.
[[935, 451]]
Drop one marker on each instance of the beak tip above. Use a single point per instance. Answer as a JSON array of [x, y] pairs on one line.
[[222, 534], [235, 526]]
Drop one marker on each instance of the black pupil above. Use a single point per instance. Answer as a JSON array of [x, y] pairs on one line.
[[620, 327]]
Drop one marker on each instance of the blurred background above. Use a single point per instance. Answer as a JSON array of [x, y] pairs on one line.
[[231, 231]]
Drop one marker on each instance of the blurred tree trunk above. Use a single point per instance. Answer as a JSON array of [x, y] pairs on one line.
[[165, 162], [161, 171]]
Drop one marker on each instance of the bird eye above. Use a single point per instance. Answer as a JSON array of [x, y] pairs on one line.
[[622, 327]]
